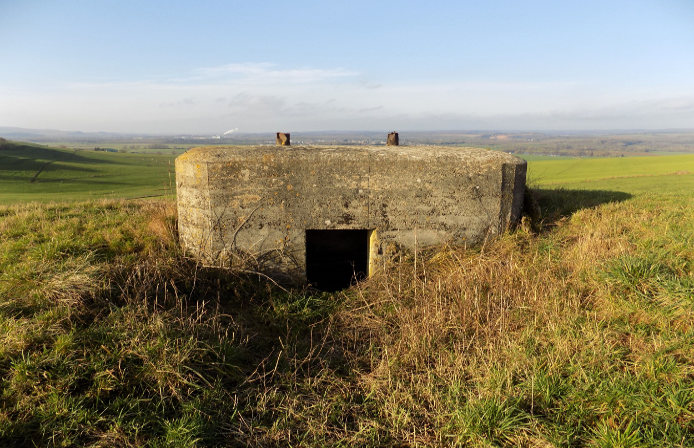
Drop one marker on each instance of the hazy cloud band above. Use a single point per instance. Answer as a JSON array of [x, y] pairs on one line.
[[254, 97]]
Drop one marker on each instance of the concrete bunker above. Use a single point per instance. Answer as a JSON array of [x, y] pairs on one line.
[[327, 214]]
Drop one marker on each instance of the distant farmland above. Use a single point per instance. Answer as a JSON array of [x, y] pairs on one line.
[[30, 172], [657, 174]]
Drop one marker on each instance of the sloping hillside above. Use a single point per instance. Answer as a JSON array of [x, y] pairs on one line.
[[672, 174], [31, 172]]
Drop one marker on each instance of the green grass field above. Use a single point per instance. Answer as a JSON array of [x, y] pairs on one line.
[[657, 174], [31, 172], [37, 173], [575, 330]]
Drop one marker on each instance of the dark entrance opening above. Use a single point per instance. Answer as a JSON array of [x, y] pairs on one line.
[[335, 259]]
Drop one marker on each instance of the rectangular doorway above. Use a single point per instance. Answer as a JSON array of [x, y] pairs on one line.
[[336, 259]]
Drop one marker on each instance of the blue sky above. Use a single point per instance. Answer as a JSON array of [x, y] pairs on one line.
[[211, 66]]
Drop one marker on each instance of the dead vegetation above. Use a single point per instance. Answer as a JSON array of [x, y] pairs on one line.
[[578, 336]]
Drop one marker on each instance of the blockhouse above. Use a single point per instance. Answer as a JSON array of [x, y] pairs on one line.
[[327, 214]]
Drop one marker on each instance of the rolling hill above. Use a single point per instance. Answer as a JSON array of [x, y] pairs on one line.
[[30, 172]]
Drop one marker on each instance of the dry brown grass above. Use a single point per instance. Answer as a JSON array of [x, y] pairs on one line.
[[557, 338], [460, 316]]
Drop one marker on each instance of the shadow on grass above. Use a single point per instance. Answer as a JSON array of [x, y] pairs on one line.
[[14, 154], [554, 204]]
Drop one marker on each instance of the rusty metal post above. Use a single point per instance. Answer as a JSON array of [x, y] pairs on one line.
[[282, 139], [393, 139]]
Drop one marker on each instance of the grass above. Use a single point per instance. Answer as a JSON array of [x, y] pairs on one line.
[[575, 335], [31, 172], [630, 174]]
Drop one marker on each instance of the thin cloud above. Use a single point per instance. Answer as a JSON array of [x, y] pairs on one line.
[[265, 72], [370, 109], [185, 102], [370, 84], [265, 96]]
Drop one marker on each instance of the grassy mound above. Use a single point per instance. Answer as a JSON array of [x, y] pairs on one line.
[[579, 335]]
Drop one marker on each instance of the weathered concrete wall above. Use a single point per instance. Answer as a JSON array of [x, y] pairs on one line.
[[262, 199]]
